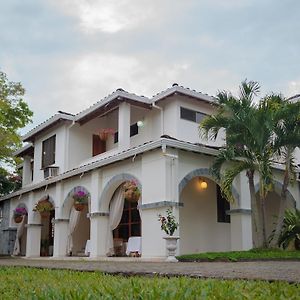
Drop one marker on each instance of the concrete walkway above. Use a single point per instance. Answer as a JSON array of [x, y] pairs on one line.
[[266, 270]]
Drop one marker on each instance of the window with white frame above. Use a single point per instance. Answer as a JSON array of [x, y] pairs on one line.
[[191, 115]]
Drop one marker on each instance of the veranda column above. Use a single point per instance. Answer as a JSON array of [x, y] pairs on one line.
[[99, 225], [33, 243], [124, 126], [240, 218], [34, 229], [98, 220], [60, 224], [26, 177], [60, 237], [159, 182]]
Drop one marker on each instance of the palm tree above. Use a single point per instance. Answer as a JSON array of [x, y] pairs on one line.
[[249, 145], [287, 138]]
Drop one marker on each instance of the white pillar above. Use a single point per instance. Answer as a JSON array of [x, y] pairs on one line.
[[240, 218], [27, 175], [98, 236], [124, 125], [241, 229], [96, 187], [156, 172], [60, 237], [33, 243]]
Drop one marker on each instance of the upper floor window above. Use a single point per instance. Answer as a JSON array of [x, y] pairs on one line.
[[134, 130], [48, 152], [99, 146], [191, 115]]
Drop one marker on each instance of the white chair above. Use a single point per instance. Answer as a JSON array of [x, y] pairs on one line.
[[134, 245]]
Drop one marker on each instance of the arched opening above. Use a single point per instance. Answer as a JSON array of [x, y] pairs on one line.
[[20, 216], [204, 224], [45, 207], [272, 206], [76, 207], [124, 231]]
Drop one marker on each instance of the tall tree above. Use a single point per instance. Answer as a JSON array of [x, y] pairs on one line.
[[14, 114], [249, 146], [287, 139]]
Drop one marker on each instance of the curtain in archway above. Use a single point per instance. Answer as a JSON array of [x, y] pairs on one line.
[[73, 222], [139, 207], [115, 215], [20, 230]]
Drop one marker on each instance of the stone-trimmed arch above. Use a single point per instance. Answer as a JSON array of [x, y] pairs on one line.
[[21, 205], [68, 201], [203, 172], [277, 189], [110, 188]]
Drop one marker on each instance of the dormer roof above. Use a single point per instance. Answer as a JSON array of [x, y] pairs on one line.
[[109, 103], [59, 117], [180, 90]]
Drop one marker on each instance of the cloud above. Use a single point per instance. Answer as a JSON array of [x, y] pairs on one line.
[[293, 88], [110, 16]]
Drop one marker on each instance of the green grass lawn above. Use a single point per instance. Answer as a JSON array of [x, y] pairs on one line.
[[26, 283], [254, 254]]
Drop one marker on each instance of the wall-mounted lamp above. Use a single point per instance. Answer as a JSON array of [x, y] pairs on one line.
[[140, 123], [202, 183]]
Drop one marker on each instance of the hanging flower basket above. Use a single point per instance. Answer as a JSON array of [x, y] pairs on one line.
[[44, 214], [19, 212], [80, 200], [18, 219], [79, 206], [44, 207], [132, 192], [105, 133]]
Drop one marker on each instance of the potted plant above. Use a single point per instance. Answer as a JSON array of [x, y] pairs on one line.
[[132, 192], [169, 224], [19, 212], [43, 207], [104, 133], [80, 200]]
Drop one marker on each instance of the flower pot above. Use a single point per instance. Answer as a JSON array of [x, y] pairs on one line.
[[131, 195], [18, 219], [171, 246], [79, 206], [44, 214], [103, 136]]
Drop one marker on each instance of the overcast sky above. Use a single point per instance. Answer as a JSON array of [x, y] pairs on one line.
[[70, 53]]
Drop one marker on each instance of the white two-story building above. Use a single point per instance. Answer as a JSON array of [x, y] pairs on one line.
[[156, 142]]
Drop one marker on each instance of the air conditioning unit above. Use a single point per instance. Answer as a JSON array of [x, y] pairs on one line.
[[50, 172]]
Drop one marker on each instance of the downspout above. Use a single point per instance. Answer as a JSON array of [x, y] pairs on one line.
[[172, 157], [161, 117], [67, 162]]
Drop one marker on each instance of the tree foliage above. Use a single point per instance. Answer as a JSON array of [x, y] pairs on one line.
[[14, 114], [9, 182], [256, 134]]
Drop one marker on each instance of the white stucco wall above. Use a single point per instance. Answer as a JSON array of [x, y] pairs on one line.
[[60, 150], [199, 229]]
